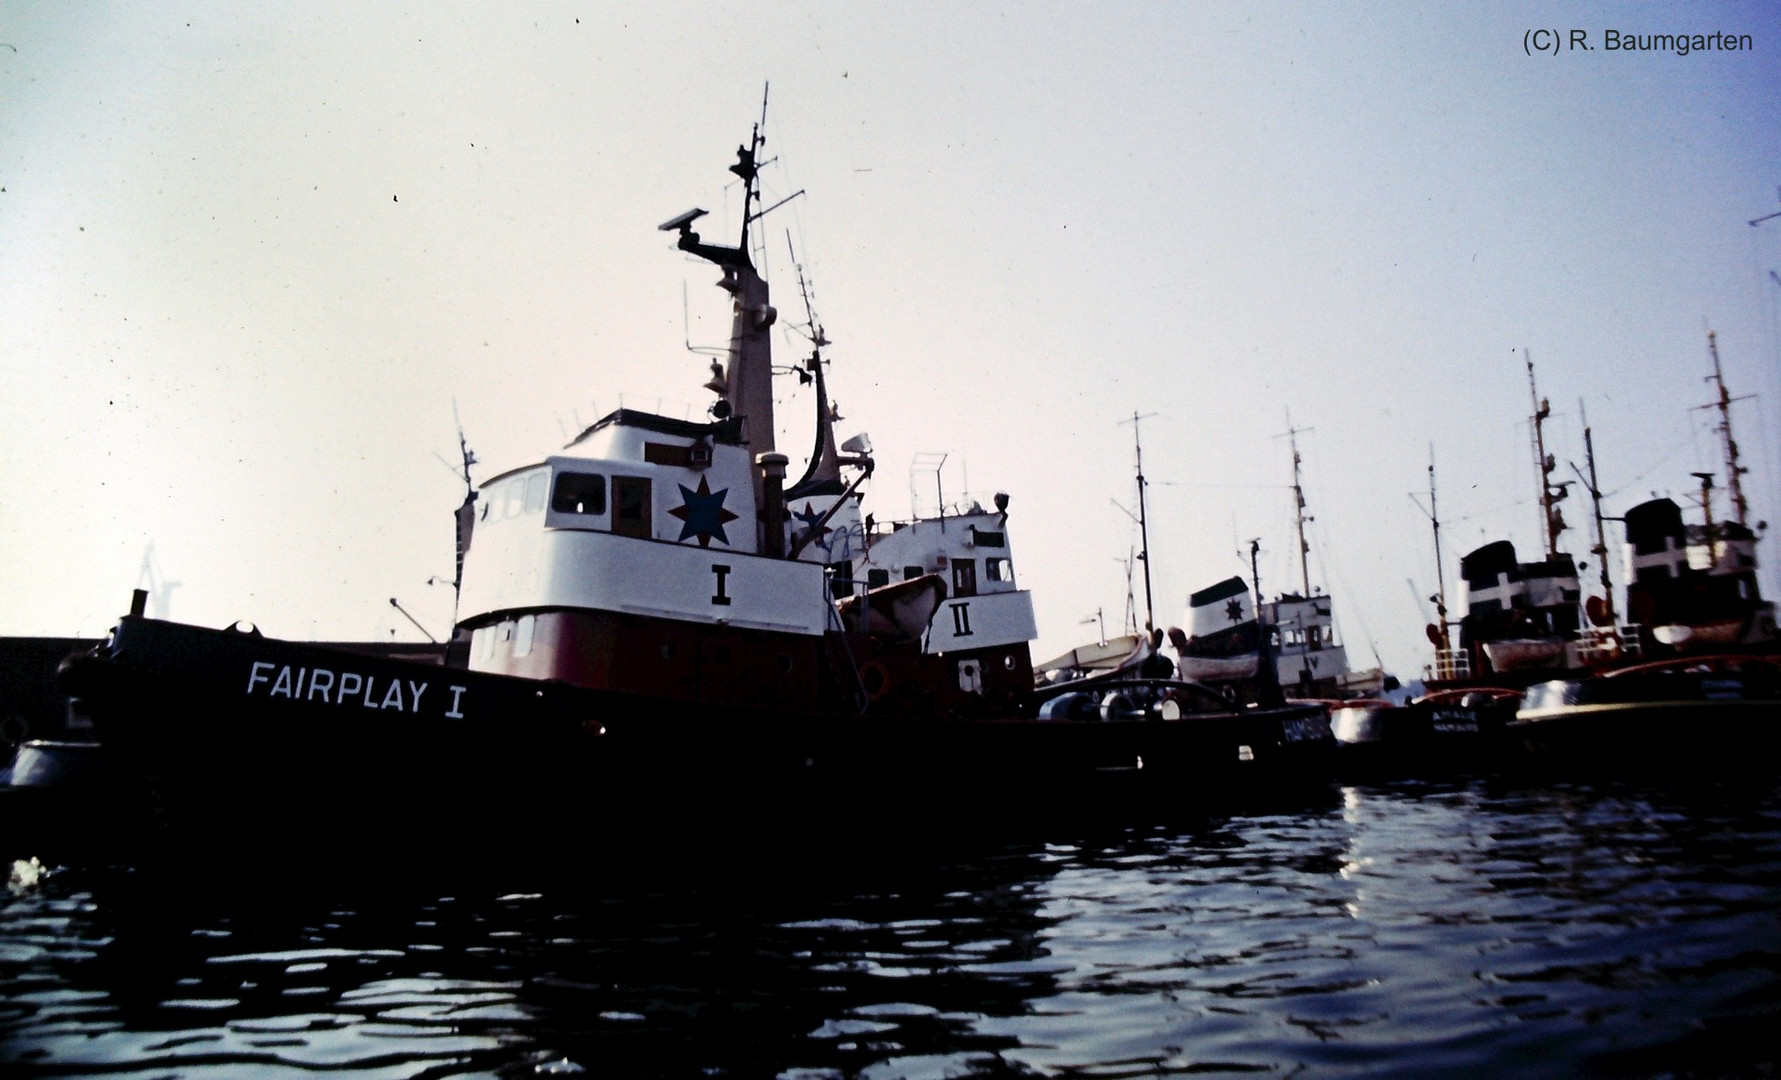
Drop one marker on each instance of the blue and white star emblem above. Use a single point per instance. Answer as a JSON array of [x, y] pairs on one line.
[[703, 513], [810, 515]]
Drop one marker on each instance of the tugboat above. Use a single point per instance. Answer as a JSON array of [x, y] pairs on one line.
[[654, 624], [1709, 688], [1523, 622], [1225, 629], [1521, 617], [1456, 722], [1692, 588], [1129, 677]]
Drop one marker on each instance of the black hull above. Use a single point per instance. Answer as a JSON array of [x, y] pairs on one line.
[[232, 750], [1425, 739], [1716, 716]]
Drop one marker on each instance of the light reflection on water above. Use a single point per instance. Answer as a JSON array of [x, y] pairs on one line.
[[1397, 930]]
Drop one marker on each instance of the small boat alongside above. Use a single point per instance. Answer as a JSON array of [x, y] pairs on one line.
[[1127, 654], [1370, 736], [1444, 731], [1232, 746], [1718, 711], [1438, 733], [56, 799]]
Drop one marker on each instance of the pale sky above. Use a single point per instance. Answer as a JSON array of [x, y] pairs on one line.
[[252, 254]]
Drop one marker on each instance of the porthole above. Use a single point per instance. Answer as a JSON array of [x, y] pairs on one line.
[[784, 663], [874, 680]]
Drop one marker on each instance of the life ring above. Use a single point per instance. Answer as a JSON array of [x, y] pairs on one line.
[[874, 680]]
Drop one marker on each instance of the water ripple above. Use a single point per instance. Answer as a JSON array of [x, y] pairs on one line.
[[1400, 930]]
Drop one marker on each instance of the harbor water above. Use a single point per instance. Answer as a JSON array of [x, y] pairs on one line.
[[1462, 928]]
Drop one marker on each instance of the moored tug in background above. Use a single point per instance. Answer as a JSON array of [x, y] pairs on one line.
[[1707, 693], [1226, 630]]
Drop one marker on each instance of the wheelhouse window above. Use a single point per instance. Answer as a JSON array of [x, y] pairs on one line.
[[536, 485], [998, 569], [579, 493], [630, 504], [964, 577]]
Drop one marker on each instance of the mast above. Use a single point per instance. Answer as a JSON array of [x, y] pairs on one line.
[[1733, 471], [1553, 520], [1600, 551], [1268, 692], [1131, 600], [1440, 575], [1255, 575], [1143, 525], [745, 387], [464, 517], [1298, 497]]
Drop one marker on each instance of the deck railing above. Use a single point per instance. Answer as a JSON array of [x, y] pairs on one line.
[[1453, 664], [1597, 645]]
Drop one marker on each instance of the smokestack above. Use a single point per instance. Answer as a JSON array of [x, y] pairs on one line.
[[772, 503]]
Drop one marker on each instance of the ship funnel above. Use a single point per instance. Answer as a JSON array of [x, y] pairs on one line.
[[772, 466]]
